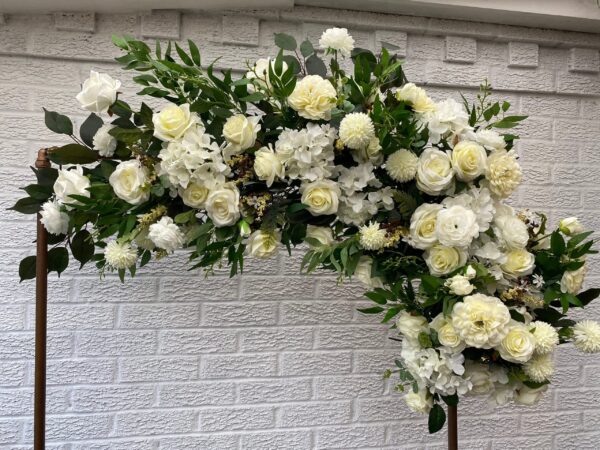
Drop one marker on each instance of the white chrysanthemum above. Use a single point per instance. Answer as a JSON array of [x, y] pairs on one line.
[[54, 220], [372, 237], [481, 321], [586, 335], [357, 130], [539, 368], [503, 173], [120, 256], [546, 337], [402, 165], [337, 39]]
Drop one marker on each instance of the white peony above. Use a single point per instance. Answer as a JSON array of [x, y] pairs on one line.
[[313, 98], [518, 345], [166, 235], [54, 220], [120, 255], [402, 165], [103, 142], [260, 73], [459, 285], [434, 172], [130, 182], [546, 337], [363, 273], [263, 244], [411, 325], [586, 336], [456, 226], [172, 122], [372, 237], [417, 97], [322, 234], [503, 173], [321, 197], [490, 139], [468, 160], [194, 195], [357, 130], [448, 117], [337, 39], [240, 133], [519, 263], [539, 368], [223, 205], [420, 402], [570, 226], [442, 260], [481, 321], [71, 182], [422, 234], [572, 280], [267, 165], [511, 232], [98, 92], [528, 396]]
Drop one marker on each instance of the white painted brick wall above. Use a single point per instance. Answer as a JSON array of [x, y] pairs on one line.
[[272, 360]]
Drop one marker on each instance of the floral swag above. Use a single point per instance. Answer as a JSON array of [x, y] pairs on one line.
[[382, 183]]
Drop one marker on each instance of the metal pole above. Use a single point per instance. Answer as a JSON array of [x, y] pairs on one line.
[[41, 299], [452, 428]]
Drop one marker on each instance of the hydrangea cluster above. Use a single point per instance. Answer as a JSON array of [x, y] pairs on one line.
[[383, 183]]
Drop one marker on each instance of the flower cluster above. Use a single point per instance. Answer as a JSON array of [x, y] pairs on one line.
[[382, 183]]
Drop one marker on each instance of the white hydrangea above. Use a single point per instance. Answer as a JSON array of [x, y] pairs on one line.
[[357, 208], [120, 255], [357, 130], [356, 178], [402, 165], [372, 237], [448, 117], [478, 200], [337, 39], [586, 336]]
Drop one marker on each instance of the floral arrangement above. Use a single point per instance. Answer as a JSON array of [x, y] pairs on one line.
[[382, 183]]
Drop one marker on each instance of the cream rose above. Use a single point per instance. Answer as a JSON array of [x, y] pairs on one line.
[[98, 92], [481, 321], [459, 285], [130, 182], [468, 160], [222, 205], [434, 172], [446, 333], [572, 280], [71, 182], [456, 226], [417, 97], [442, 260], [267, 165], [240, 132], [194, 195], [503, 173], [172, 122], [570, 226], [518, 345], [321, 197], [263, 244], [518, 263], [420, 402], [422, 226], [322, 234], [411, 325], [313, 98]]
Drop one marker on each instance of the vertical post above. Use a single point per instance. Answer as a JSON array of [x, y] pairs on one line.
[[41, 299], [452, 428]]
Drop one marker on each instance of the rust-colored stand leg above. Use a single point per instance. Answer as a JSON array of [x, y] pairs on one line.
[[41, 298], [452, 428]]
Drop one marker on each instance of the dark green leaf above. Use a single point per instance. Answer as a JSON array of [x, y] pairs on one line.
[[39, 192], [57, 122], [437, 418], [27, 268], [27, 205], [285, 41], [306, 48], [184, 56], [376, 297], [253, 98], [372, 310], [316, 66], [194, 52], [557, 244], [82, 247], [450, 400], [88, 129], [46, 176], [126, 135], [58, 260], [587, 296], [73, 154]]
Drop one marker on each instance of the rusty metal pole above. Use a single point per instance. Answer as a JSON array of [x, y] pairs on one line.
[[41, 299], [452, 428]]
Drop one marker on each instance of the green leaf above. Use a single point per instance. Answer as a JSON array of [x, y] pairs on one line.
[[57, 122], [27, 205], [73, 154], [27, 268], [564, 302], [184, 56], [88, 129], [316, 66], [578, 238], [253, 98], [194, 52], [39, 192], [126, 135], [557, 244], [58, 260], [46, 176], [185, 217], [372, 310], [437, 419], [306, 48], [285, 41], [586, 297], [82, 246], [376, 297]]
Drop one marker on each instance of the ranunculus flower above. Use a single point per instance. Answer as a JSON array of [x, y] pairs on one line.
[[172, 122], [511, 232], [54, 220], [434, 172], [130, 182], [103, 142], [166, 235], [490, 139], [441, 259], [240, 132], [222, 205], [98, 92], [71, 182], [468, 160], [313, 98], [456, 226], [337, 39], [518, 345], [194, 195], [572, 280], [321, 197], [422, 233], [263, 244], [267, 166]]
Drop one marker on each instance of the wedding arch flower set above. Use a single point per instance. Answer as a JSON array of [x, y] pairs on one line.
[[382, 183]]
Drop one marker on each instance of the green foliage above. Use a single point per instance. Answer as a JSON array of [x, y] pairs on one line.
[[437, 418], [72, 154], [58, 123]]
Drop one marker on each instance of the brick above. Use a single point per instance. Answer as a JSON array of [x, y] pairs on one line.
[[341, 387], [460, 49], [74, 317], [523, 54], [578, 83], [239, 314], [157, 316], [584, 60], [89, 371], [311, 414], [69, 21], [161, 368], [309, 313], [206, 442], [240, 30], [110, 290], [236, 418], [161, 24], [111, 398], [74, 427], [276, 339], [236, 366], [154, 422], [352, 337], [177, 395], [196, 342], [346, 437], [315, 363], [179, 289], [116, 343], [395, 41], [274, 390], [290, 440]]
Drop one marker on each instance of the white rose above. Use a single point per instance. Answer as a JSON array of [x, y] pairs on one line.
[[570, 226], [422, 226], [511, 231], [54, 220], [222, 205], [98, 92], [481, 321], [172, 122], [529, 397], [468, 160], [363, 273], [313, 98], [434, 172], [572, 280], [456, 226], [194, 195], [130, 182], [490, 139], [417, 97], [240, 132], [480, 376], [322, 234], [260, 73], [470, 272], [263, 244], [442, 260], [337, 39], [71, 182], [519, 263], [411, 326], [321, 197], [103, 142], [267, 165], [166, 235], [446, 333], [503, 173], [459, 285], [518, 345], [420, 402]]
